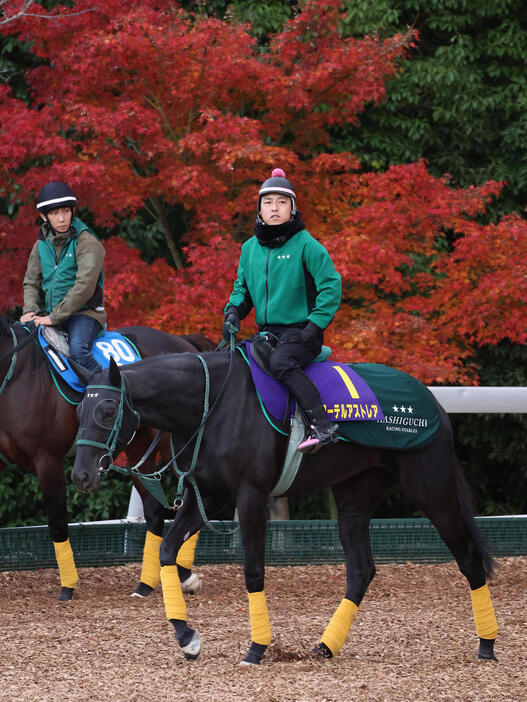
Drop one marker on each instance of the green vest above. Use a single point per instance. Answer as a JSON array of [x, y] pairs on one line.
[[58, 277]]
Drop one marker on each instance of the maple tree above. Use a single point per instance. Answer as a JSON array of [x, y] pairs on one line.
[[150, 108]]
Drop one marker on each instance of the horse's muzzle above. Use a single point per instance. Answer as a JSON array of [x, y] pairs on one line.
[[86, 479]]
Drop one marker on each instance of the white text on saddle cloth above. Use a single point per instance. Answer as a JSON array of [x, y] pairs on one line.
[[116, 348]]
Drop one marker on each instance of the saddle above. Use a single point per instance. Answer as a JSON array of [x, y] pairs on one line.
[[107, 345]]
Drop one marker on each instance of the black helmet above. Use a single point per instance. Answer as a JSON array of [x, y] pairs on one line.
[[55, 195], [278, 183]]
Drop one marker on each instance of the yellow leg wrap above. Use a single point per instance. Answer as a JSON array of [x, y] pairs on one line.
[[185, 557], [484, 617], [339, 626], [66, 563], [175, 606], [151, 571], [260, 624]]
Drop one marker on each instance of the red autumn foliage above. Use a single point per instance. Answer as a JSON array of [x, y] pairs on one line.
[[147, 106]]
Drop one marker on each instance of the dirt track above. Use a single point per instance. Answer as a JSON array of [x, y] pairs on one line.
[[413, 639]]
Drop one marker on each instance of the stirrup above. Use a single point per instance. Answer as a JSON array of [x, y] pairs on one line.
[[316, 439]]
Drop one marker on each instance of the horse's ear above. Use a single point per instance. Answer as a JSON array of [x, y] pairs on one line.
[[83, 374], [115, 374]]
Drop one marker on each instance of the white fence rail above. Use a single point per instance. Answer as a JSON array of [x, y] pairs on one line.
[[481, 399]]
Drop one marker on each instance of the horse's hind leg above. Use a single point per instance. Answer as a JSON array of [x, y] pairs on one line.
[[437, 486], [356, 499], [252, 512]]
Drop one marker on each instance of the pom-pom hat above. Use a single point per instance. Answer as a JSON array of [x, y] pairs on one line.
[[278, 183], [55, 195]]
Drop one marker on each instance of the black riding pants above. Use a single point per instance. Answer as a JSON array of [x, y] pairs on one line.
[[293, 352]]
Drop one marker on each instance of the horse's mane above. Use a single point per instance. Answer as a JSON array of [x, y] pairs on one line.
[[4, 327]]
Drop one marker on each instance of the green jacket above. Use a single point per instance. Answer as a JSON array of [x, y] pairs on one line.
[[289, 285], [64, 274]]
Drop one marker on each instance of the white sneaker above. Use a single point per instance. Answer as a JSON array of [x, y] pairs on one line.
[[192, 585]]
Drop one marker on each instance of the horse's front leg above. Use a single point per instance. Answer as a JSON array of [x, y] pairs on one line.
[[187, 522], [50, 472], [252, 513]]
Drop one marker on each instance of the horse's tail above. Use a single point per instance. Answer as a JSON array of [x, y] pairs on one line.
[[467, 511]]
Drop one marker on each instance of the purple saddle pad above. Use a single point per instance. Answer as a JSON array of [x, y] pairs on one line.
[[345, 395]]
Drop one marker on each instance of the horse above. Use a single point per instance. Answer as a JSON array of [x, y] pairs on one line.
[[38, 424], [210, 399]]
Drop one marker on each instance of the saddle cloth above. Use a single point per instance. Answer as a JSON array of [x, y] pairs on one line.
[[373, 404], [108, 344], [344, 394]]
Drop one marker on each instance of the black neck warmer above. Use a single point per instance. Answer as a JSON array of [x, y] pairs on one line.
[[46, 231], [274, 235]]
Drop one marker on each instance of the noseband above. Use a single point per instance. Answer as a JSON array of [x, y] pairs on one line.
[[111, 441]]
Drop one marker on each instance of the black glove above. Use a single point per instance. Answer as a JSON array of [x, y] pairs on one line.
[[312, 333], [232, 323]]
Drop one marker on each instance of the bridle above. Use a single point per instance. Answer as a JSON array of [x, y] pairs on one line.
[[111, 441], [152, 480]]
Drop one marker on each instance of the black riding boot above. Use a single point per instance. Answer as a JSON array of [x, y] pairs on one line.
[[320, 431]]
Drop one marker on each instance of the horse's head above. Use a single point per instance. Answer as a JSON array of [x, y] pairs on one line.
[[107, 424]]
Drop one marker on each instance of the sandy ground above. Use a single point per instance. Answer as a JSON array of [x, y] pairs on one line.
[[413, 638]]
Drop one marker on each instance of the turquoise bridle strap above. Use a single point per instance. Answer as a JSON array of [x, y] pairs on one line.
[[113, 436], [184, 474], [178, 501], [152, 481]]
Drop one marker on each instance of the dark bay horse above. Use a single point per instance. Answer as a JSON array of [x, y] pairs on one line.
[[239, 463], [38, 424]]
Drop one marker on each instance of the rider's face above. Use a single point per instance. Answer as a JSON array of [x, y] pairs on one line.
[[60, 218], [275, 208]]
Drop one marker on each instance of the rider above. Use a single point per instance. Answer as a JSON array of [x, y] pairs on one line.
[[64, 274], [290, 279]]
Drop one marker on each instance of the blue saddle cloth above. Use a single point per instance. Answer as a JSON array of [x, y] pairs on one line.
[[107, 345], [345, 395]]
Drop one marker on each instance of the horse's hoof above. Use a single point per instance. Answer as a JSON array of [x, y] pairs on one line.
[[66, 594], [254, 654], [192, 585], [142, 590], [486, 650], [193, 648], [321, 651]]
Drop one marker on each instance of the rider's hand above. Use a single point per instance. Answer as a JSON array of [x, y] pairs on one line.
[[43, 321], [312, 333], [27, 317], [232, 323]]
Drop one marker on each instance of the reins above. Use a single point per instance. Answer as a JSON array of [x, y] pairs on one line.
[[13, 354], [17, 347]]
